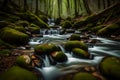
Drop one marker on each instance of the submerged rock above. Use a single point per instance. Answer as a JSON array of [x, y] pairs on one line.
[[110, 67]]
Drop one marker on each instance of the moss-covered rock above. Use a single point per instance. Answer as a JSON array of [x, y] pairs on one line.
[[13, 36], [32, 18], [75, 44], [59, 56], [108, 30], [20, 28], [83, 76], [4, 24], [66, 24], [44, 18], [75, 37], [22, 23], [110, 67], [5, 52], [96, 28], [17, 73], [77, 52], [45, 49], [23, 61], [34, 29]]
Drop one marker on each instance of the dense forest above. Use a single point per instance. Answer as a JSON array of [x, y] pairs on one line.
[[59, 39]]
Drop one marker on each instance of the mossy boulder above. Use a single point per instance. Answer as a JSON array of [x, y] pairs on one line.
[[23, 61], [108, 30], [45, 49], [32, 18], [5, 52], [34, 29], [66, 24], [13, 36], [77, 52], [17, 73], [83, 76], [75, 44], [110, 67], [75, 37], [59, 56]]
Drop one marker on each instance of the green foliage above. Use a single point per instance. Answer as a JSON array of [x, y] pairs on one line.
[[66, 24], [75, 44], [20, 28], [17, 73], [34, 28], [60, 57], [108, 30], [4, 24], [45, 49], [110, 67], [75, 37], [83, 76], [5, 52], [23, 61], [13, 36], [77, 52]]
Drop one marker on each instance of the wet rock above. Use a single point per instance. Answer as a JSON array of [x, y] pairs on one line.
[[59, 56], [110, 67], [18, 73], [77, 52], [75, 44], [74, 37]]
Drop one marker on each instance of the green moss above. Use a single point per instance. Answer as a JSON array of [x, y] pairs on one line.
[[13, 36], [108, 30], [17, 73], [75, 44], [23, 61], [45, 49], [5, 52], [32, 18], [60, 57], [77, 52], [75, 37], [34, 28], [96, 28], [22, 23], [83, 76], [20, 28], [44, 18], [66, 24], [110, 67]]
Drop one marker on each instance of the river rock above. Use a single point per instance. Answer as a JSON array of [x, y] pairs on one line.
[[77, 52], [18, 73], [74, 37], [110, 67]]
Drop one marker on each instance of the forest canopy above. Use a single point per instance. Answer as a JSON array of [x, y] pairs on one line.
[[63, 8]]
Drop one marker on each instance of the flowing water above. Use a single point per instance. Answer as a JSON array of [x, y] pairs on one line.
[[104, 47]]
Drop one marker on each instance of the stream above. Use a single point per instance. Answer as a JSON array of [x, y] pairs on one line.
[[104, 47]]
